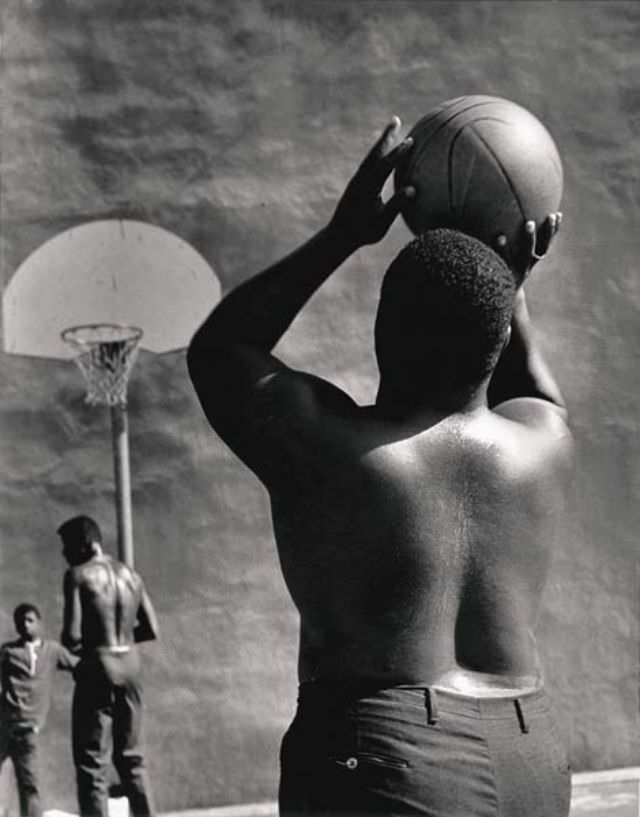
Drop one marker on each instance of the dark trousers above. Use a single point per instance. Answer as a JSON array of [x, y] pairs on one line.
[[107, 721], [415, 751], [20, 743]]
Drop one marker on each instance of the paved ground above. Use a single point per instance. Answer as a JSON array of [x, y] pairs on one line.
[[614, 799], [612, 794], [607, 799]]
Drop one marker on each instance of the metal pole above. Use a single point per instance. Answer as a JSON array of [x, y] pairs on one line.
[[120, 437]]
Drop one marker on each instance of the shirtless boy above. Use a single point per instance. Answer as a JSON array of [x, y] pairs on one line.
[[106, 613]]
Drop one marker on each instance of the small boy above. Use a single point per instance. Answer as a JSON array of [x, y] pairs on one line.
[[26, 674]]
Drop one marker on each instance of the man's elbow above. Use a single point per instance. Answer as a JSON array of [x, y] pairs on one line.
[[74, 645]]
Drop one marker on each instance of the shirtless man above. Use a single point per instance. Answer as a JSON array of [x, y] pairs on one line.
[[414, 534], [106, 612]]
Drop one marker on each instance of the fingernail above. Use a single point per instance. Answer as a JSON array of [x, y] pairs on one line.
[[530, 226], [501, 241], [410, 192]]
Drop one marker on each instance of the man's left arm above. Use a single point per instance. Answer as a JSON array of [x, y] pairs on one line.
[[71, 636]]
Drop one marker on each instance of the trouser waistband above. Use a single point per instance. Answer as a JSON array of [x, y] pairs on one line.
[[338, 694]]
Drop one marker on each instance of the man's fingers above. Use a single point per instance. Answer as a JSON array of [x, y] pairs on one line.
[[503, 249], [391, 158], [383, 157], [392, 207], [541, 238], [558, 221], [536, 240], [386, 142]]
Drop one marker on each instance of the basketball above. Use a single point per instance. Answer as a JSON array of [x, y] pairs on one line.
[[484, 166]]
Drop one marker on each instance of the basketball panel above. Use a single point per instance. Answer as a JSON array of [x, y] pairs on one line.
[[430, 207], [482, 197], [433, 128], [529, 159]]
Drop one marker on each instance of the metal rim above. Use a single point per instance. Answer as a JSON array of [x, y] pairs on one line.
[[90, 333]]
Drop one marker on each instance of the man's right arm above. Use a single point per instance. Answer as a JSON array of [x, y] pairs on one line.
[[71, 636], [265, 411]]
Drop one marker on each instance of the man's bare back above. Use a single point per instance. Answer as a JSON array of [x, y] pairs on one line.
[[106, 606], [419, 557], [106, 612], [110, 595]]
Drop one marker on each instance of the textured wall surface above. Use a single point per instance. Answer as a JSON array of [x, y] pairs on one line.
[[235, 125]]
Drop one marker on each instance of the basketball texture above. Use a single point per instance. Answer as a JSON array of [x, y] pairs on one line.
[[484, 166]]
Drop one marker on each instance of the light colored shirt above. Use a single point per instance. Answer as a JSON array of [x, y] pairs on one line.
[[26, 676]]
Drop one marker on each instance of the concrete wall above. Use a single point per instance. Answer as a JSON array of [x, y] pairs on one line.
[[235, 125]]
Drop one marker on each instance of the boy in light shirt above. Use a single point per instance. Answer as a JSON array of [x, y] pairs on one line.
[[27, 666]]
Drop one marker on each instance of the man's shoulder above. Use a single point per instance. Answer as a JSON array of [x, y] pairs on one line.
[[95, 564], [123, 569], [534, 433], [535, 414]]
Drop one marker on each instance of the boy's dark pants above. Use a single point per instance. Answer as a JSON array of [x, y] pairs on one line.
[[20, 743]]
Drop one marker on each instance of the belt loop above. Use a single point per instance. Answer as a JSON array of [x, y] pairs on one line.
[[431, 706], [523, 724]]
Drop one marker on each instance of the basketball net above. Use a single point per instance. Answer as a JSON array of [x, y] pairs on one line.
[[105, 354]]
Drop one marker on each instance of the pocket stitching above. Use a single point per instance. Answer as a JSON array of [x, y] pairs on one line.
[[382, 760]]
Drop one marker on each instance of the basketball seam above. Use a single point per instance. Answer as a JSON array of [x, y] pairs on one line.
[[452, 206], [501, 168], [416, 157]]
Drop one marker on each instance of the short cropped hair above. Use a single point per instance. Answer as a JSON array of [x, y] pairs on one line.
[[21, 611], [449, 288], [80, 531]]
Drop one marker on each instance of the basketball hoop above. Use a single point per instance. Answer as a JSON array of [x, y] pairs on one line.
[[105, 355]]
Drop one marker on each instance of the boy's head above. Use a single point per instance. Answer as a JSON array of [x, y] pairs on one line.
[[444, 313], [28, 621], [79, 535]]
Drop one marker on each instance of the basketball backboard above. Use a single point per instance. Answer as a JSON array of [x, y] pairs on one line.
[[110, 271]]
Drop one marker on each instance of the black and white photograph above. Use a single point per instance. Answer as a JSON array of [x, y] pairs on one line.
[[319, 420]]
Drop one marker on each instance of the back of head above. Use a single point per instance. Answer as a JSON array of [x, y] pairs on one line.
[[444, 312], [79, 535]]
